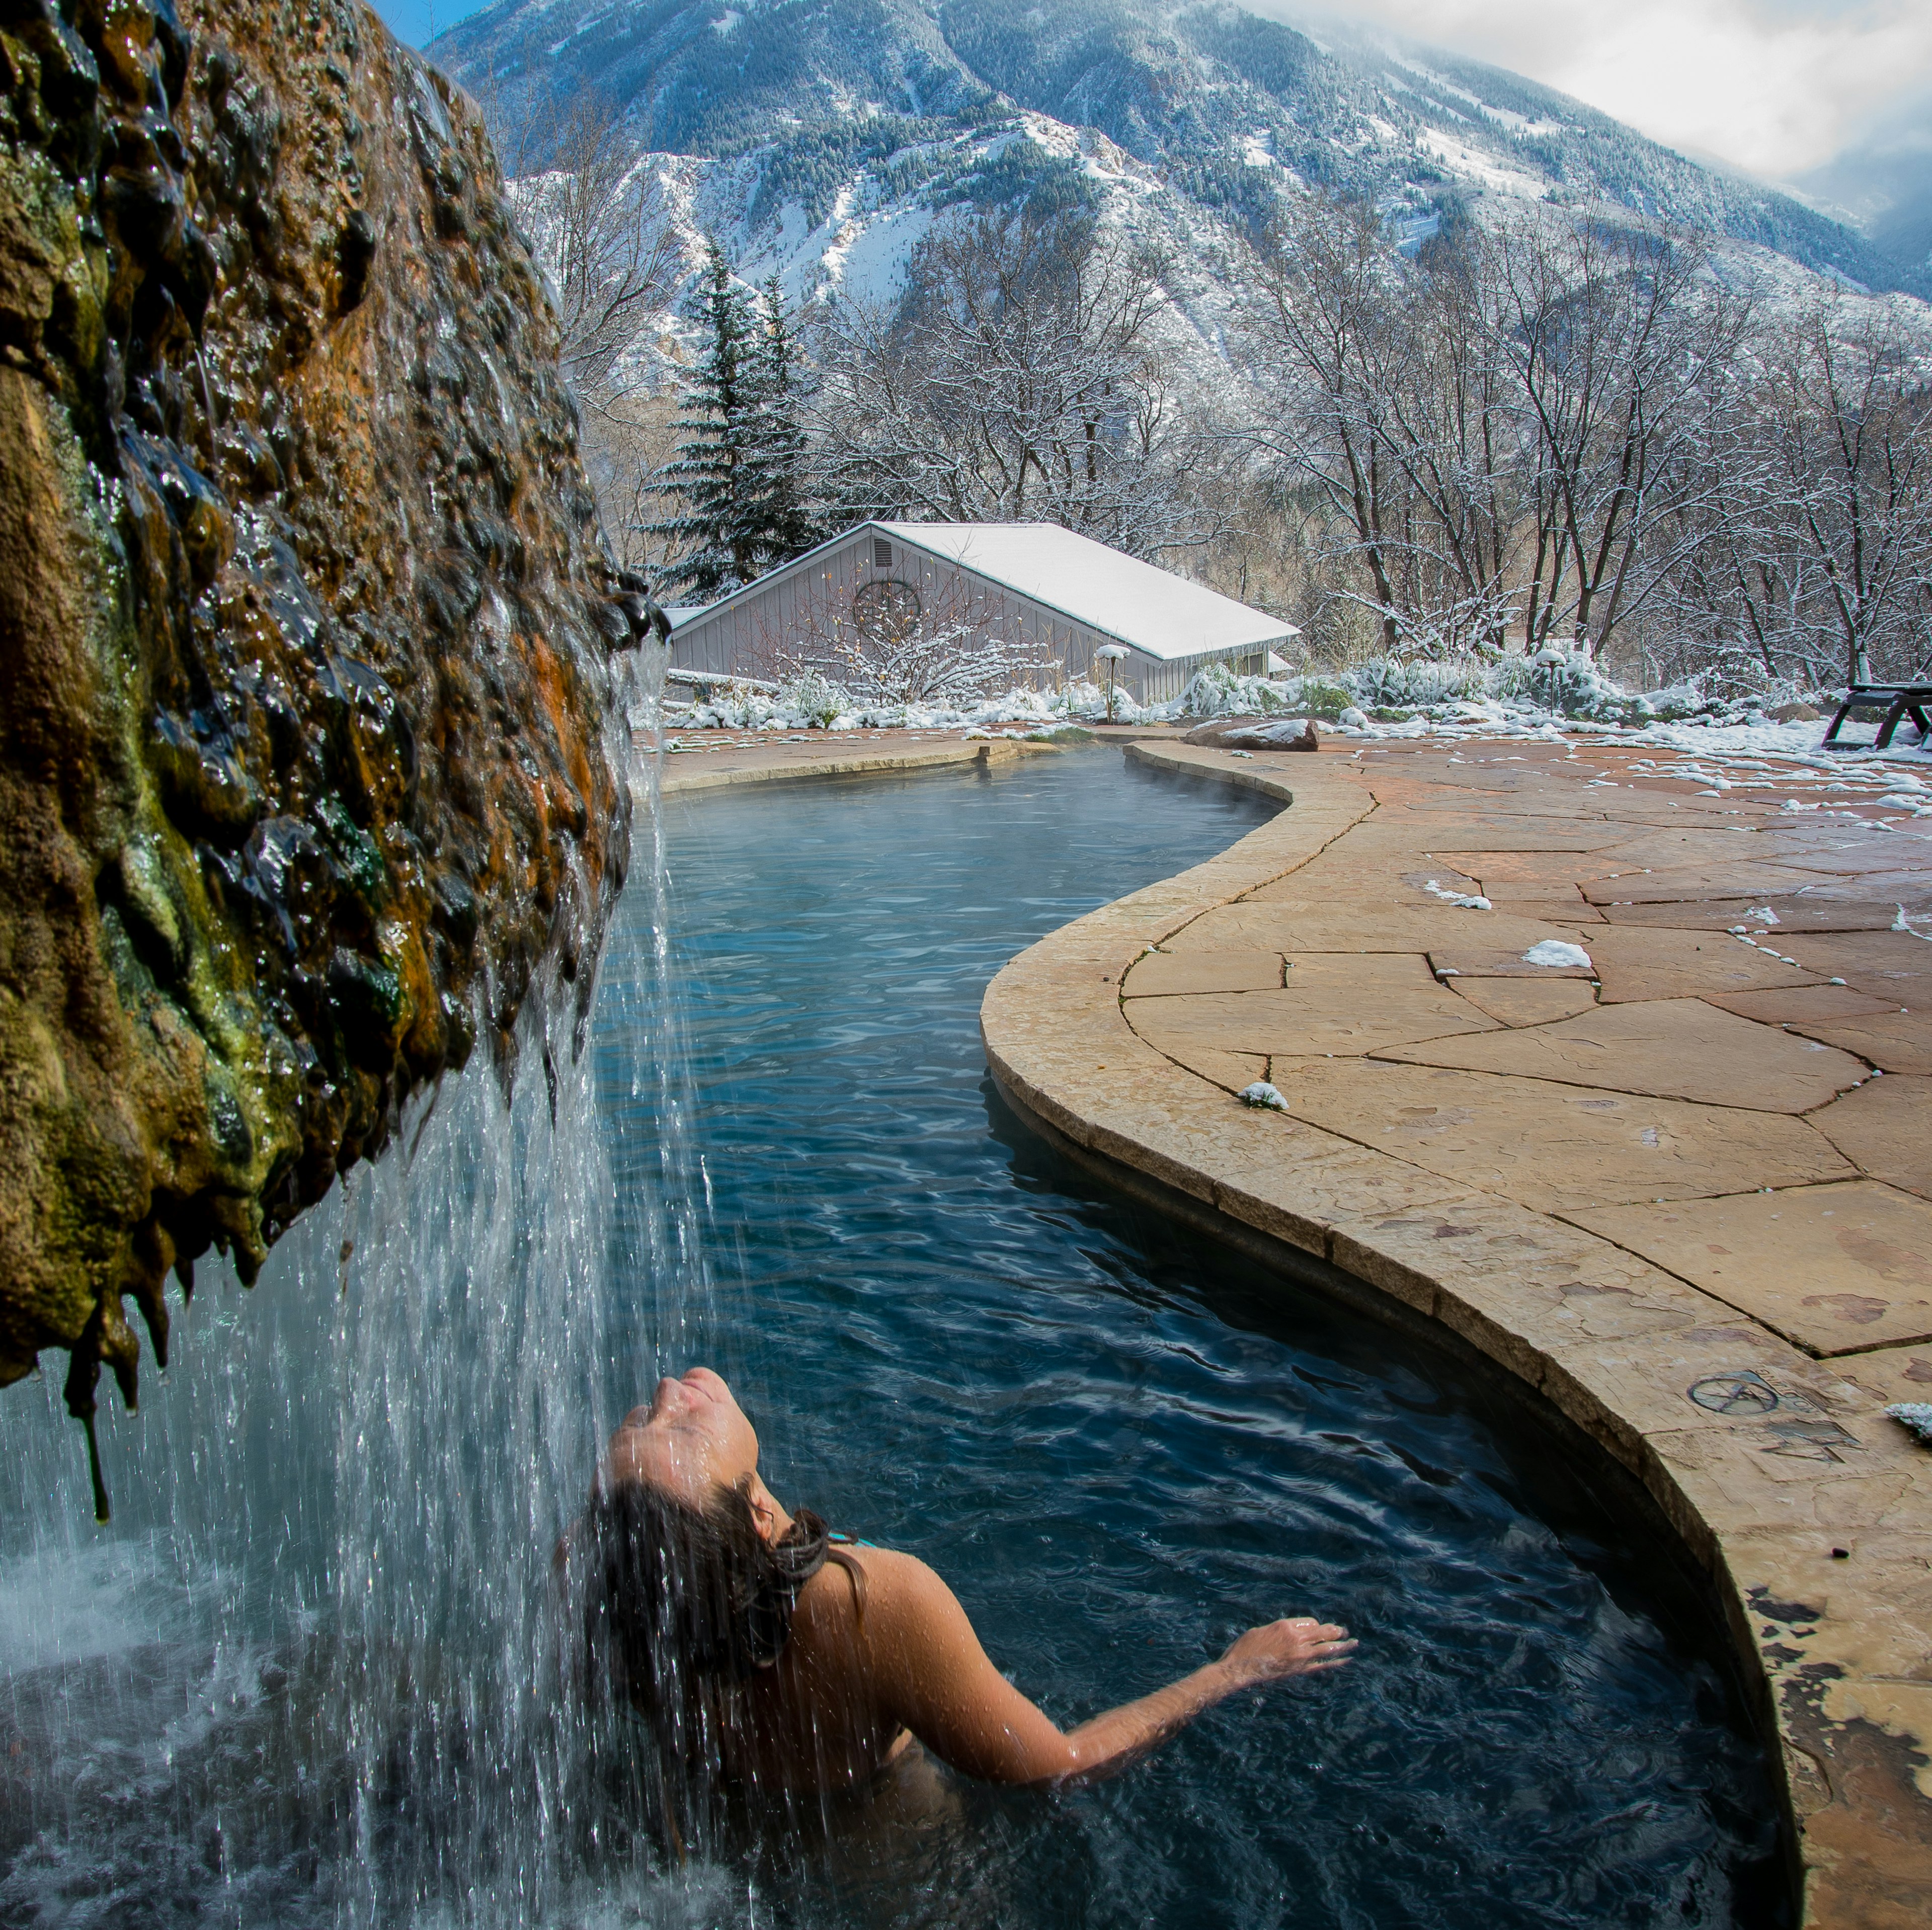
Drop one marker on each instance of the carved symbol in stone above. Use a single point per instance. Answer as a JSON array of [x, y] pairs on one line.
[[1741, 1393], [1813, 1440], [886, 610]]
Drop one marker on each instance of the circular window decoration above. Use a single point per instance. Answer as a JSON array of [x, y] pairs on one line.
[[886, 610]]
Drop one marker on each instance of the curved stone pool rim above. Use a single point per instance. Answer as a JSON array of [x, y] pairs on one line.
[[1823, 1565]]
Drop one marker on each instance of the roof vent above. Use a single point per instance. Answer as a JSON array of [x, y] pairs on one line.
[[882, 553]]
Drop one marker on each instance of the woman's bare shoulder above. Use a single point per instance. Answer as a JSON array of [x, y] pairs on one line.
[[890, 1589]]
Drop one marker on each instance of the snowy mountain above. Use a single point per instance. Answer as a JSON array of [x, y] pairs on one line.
[[1221, 104], [820, 137], [1882, 185]]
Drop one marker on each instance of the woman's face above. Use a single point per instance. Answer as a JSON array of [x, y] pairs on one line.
[[691, 1440]]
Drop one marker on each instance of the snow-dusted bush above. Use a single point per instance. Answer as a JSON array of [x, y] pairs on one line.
[[1460, 694], [1217, 690], [815, 698], [1390, 689], [1390, 683]]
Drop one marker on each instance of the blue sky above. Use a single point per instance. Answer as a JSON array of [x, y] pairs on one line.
[[1774, 87], [409, 20]]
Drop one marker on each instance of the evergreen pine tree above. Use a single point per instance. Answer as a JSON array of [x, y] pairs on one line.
[[716, 472], [781, 506]]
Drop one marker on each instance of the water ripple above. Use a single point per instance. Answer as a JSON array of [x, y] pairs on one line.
[[1122, 1443]]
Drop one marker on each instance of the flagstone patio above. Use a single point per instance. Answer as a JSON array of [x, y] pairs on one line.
[[1684, 1192]]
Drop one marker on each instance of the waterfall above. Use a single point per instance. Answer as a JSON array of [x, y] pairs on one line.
[[317, 1668]]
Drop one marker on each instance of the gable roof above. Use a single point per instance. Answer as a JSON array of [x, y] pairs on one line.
[[1160, 614]]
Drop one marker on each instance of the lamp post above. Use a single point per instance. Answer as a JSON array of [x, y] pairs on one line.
[[1110, 654], [1552, 660]]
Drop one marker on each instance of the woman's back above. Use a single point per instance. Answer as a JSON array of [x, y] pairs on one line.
[[814, 1721]]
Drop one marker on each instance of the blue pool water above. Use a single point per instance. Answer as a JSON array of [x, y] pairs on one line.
[[315, 1674], [1122, 1443]]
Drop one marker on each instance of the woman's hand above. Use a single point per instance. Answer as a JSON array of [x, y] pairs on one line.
[[1298, 1645]]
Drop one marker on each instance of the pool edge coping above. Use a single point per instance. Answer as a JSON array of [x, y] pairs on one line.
[[1858, 1816], [682, 782]]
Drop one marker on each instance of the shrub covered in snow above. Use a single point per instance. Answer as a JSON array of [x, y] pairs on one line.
[[1389, 690], [1512, 694]]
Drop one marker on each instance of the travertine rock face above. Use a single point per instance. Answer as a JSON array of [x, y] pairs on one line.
[[304, 644]]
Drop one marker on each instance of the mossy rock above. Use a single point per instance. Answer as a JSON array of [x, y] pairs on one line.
[[300, 728]]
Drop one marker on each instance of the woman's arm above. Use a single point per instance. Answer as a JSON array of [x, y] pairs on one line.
[[930, 1674]]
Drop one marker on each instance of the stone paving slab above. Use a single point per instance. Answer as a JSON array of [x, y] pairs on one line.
[[1329, 1003], [1892, 965], [1536, 874], [1527, 1001], [1724, 1290], [1808, 1002], [1671, 1048], [1554, 1146], [1819, 912], [1476, 960], [1291, 923], [1881, 1129], [1836, 1268], [1890, 1374], [1896, 1041], [1646, 962], [1689, 882], [1160, 973]]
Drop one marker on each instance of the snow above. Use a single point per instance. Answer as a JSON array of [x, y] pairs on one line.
[[1557, 953], [1160, 614], [1914, 1415], [868, 262], [1489, 170], [1466, 900]]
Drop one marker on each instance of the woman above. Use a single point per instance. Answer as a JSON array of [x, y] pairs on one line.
[[756, 1646]]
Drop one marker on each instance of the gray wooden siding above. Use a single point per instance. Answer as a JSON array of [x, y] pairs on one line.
[[796, 612]]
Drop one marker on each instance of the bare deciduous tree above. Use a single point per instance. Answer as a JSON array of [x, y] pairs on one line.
[[1615, 339], [1504, 432], [597, 219], [1017, 378], [1325, 288], [943, 645], [1837, 544]]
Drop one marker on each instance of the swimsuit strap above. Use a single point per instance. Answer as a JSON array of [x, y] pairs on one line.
[[836, 1546]]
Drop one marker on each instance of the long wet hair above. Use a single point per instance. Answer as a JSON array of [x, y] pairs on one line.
[[681, 1598], [681, 1595], [685, 1605]]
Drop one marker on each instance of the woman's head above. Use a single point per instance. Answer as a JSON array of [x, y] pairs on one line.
[[693, 1568], [693, 1440]]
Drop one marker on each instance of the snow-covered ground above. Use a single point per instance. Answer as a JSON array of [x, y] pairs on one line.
[[1716, 746]]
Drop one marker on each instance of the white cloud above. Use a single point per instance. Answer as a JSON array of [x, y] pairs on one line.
[[1775, 87]]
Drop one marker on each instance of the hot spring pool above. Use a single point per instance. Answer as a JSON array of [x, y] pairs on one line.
[[293, 1683]]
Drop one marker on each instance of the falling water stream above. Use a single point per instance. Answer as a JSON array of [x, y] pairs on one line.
[[315, 1672]]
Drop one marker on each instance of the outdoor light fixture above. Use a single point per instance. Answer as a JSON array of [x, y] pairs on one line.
[[1110, 654], [1550, 657]]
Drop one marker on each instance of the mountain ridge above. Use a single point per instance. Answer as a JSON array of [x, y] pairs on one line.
[[1227, 104]]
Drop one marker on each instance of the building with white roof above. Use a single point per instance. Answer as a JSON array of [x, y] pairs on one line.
[[1051, 597]]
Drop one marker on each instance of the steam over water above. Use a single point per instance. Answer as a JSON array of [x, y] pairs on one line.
[[312, 1674]]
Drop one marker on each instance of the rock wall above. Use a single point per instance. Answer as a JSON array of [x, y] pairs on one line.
[[305, 638]]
